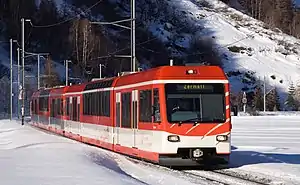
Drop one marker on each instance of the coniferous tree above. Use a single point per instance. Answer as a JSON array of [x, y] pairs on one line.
[[48, 38], [273, 101], [277, 98], [290, 101], [258, 102]]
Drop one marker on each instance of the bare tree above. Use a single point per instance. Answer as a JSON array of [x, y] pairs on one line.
[[84, 41], [52, 78]]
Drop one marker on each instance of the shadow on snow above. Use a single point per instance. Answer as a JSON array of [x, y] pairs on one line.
[[242, 158]]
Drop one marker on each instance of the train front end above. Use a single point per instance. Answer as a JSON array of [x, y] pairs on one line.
[[197, 121]]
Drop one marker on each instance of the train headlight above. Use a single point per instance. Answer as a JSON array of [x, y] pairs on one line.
[[173, 138], [221, 138], [191, 71], [197, 153]]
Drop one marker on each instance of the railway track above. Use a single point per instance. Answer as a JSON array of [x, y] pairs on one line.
[[213, 177], [224, 178]]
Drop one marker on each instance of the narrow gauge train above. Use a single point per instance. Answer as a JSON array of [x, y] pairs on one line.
[[170, 115]]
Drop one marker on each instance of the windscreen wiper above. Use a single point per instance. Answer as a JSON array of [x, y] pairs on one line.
[[203, 119], [196, 120]]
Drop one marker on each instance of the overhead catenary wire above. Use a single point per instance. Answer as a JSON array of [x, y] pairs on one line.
[[67, 20], [143, 42], [199, 53]]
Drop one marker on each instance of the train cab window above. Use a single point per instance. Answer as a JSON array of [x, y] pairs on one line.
[[145, 106], [156, 105], [188, 103]]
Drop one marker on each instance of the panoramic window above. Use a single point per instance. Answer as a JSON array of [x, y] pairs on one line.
[[189, 103]]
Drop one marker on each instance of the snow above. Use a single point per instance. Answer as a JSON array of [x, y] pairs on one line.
[[263, 147], [30, 156], [267, 146], [51, 159]]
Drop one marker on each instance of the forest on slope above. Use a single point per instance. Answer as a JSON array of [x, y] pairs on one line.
[[282, 14], [69, 35]]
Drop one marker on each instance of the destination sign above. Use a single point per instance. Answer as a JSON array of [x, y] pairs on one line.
[[195, 88]]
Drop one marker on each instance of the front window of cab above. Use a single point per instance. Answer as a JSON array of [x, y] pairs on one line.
[[190, 103]]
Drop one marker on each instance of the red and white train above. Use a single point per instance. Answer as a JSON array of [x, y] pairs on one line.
[[170, 115]]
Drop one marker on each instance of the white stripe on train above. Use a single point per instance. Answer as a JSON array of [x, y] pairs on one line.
[[153, 82]]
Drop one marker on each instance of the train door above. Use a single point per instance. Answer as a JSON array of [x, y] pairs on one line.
[[78, 115], [75, 127], [64, 112], [134, 115], [118, 118]]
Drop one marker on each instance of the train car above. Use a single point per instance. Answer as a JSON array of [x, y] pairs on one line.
[[57, 113], [170, 115], [40, 108]]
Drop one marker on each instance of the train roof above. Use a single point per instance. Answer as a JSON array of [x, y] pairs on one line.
[[101, 83], [75, 88], [159, 73], [174, 73], [58, 91]]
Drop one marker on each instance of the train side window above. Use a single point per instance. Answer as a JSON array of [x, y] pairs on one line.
[[99, 103], [156, 106], [43, 104], [58, 107], [84, 103], [67, 106], [118, 114], [107, 103], [145, 106], [93, 104], [31, 106], [52, 111], [61, 107], [126, 102], [90, 104], [35, 107], [75, 111]]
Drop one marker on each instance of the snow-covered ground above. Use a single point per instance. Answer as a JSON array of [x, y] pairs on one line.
[[29, 156], [267, 146], [263, 147]]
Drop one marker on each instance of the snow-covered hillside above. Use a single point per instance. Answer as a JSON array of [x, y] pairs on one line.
[[249, 49]]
